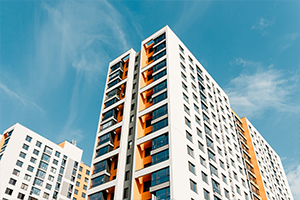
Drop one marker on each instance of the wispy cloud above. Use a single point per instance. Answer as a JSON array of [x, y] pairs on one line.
[[289, 40], [251, 93], [293, 176], [19, 97], [76, 39], [262, 25]]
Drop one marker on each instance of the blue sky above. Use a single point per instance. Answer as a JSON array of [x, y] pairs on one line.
[[54, 58]]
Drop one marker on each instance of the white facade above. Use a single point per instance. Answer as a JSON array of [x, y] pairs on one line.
[[177, 136], [32, 167], [271, 169]]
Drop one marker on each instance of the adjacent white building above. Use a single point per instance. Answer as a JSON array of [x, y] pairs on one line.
[[167, 131], [33, 168]]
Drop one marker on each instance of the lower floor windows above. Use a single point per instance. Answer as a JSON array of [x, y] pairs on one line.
[[160, 176], [163, 194]]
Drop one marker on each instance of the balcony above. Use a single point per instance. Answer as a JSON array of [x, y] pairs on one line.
[[153, 73], [112, 117], [108, 142], [107, 194], [106, 167], [153, 96], [153, 50], [152, 152]]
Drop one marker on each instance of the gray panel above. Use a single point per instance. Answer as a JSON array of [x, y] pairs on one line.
[[69, 169], [64, 188]]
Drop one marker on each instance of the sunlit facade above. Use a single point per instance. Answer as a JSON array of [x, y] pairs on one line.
[[167, 131]]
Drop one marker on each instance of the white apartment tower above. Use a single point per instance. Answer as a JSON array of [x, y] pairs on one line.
[[167, 131], [34, 168]]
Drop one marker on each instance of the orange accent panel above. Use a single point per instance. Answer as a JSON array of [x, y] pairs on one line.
[[142, 129], [141, 160], [145, 54], [62, 144], [143, 104], [113, 171], [254, 161], [138, 190], [82, 181]]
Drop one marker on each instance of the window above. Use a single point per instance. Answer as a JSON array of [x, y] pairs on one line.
[[33, 160], [192, 168], [21, 196], [213, 170], [182, 58], [86, 180], [216, 186], [202, 161], [84, 187], [211, 155], [160, 176], [57, 154], [46, 157], [204, 177], [193, 186], [181, 49], [206, 194], [195, 97], [48, 186], [16, 172], [185, 98], [189, 136], [184, 87], [235, 176], [79, 176], [25, 146], [22, 155], [24, 186], [27, 177], [199, 133], [186, 109], [224, 178], [207, 130], [83, 195], [38, 144], [38, 182], [53, 169], [187, 122], [28, 138], [12, 181], [238, 189], [127, 175], [30, 168], [193, 86], [226, 193], [196, 108], [76, 192], [200, 146], [219, 151], [8, 191], [128, 159], [183, 76], [36, 152], [19, 163], [125, 193], [50, 178], [190, 151], [222, 164], [197, 120]]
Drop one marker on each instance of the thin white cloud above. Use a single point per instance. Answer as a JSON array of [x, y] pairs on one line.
[[293, 176], [289, 40], [262, 25], [15, 96], [252, 93]]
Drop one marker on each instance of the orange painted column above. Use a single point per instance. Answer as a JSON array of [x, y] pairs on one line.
[[254, 161]]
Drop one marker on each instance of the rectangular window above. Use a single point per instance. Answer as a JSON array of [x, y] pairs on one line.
[[28, 138], [192, 168], [160, 176], [216, 186], [200, 146], [202, 161], [27, 177], [19, 163], [224, 178], [190, 151], [183, 76], [189, 136], [186, 98], [184, 87], [25, 146], [204, 177], [213, 170], [193, 186], [186, 109], [187, 122], [22, 155], [206, 194]]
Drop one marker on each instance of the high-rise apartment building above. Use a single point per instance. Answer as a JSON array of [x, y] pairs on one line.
[[82, 182], [167, 131], [33, 168]]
